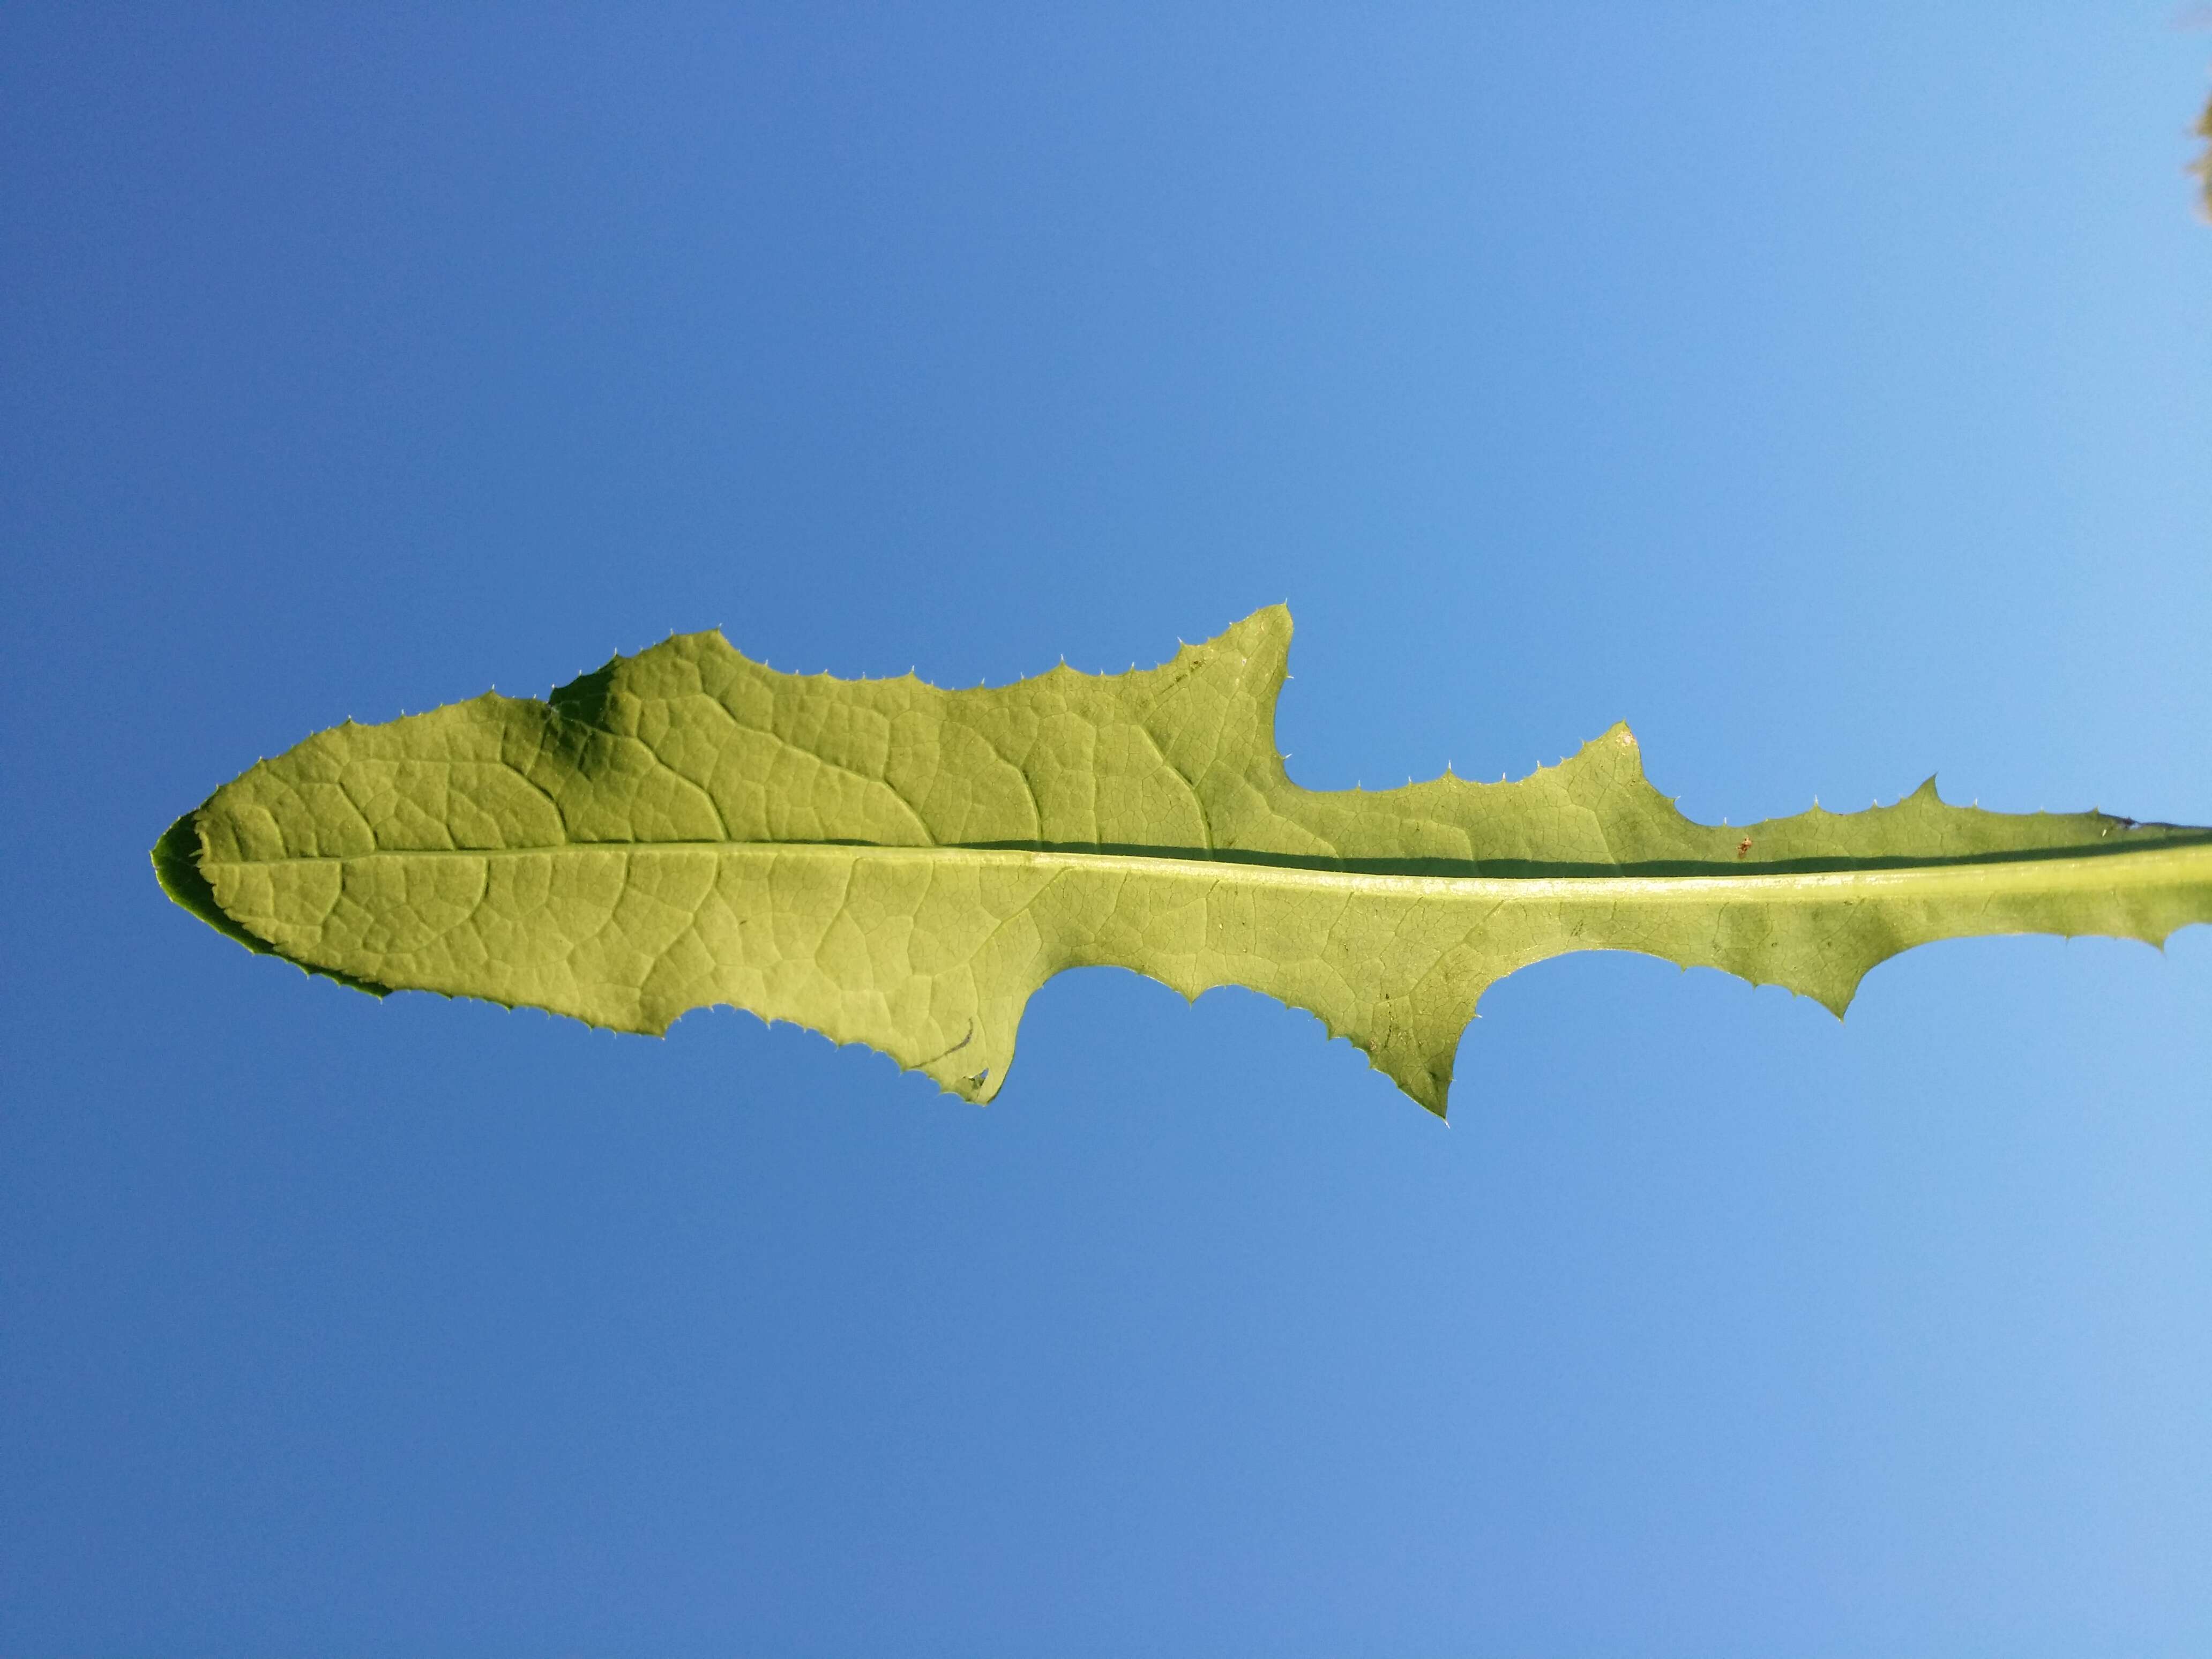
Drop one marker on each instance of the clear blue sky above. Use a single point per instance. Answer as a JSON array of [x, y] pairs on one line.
[[1825, 391]]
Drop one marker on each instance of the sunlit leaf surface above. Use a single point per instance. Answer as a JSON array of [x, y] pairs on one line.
[[899, 866]]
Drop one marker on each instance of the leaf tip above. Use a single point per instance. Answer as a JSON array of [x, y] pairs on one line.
[[176, 858]]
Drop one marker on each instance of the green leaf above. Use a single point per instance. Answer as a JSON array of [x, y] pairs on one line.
[[899, 866]]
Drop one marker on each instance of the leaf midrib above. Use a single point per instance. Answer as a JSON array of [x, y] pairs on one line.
[[2067, 871]]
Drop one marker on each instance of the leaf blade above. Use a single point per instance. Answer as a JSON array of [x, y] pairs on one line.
[[896, 865]]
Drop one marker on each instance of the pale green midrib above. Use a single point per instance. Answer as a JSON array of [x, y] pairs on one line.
[[2165, 867]]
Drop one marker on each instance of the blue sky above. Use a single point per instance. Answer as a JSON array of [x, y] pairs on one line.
[[1826, 392]]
